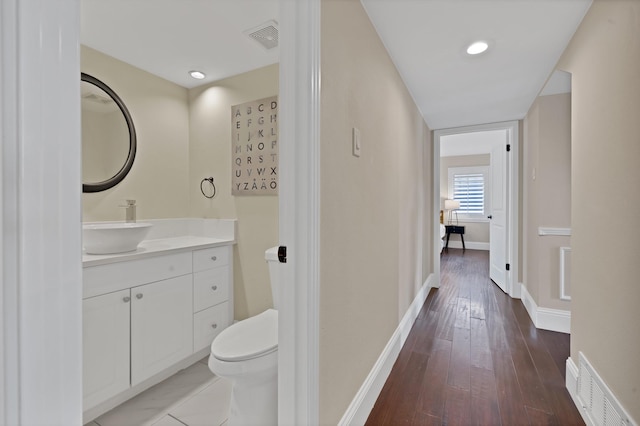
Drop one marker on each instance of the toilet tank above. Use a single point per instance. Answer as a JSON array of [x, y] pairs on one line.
[[271, 255]]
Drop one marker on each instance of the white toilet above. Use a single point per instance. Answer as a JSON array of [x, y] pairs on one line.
[[247, 354]]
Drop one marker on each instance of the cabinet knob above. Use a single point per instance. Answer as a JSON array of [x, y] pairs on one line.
[[214, 288], [214, 326], [139, 296], [126, 299], [214, 258]]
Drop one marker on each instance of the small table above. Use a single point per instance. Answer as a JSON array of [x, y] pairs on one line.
[[455, 229]]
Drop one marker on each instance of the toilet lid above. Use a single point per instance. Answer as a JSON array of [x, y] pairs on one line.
[[248, 339]]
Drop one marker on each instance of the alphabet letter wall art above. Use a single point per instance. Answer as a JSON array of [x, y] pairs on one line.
[[254, 143]]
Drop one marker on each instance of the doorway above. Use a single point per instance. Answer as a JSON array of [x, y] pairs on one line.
[[47, 384], [488, 154]]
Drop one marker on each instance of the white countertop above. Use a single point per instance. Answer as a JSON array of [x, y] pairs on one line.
[[160, 246]]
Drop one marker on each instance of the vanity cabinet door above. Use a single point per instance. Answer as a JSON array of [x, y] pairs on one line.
[[105, 346], [161, 326]]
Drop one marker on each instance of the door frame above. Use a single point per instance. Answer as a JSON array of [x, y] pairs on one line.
[[40, 165], [299, 212], [512, 283]]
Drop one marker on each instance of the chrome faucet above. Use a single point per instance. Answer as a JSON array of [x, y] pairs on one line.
[[130, 211]]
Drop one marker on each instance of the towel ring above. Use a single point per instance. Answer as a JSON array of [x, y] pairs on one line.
[[213, 186]]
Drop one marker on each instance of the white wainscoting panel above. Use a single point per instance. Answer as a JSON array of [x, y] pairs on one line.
[[559, 232], [565, 273], [361, 405]]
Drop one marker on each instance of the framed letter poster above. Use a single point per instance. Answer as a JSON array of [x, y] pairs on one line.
[[254, 144]]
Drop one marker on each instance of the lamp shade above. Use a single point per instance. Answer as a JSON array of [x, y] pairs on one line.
[[451, 204]]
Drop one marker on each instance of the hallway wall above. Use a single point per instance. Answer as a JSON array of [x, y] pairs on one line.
[[372, 208], [547, 195], [604, 59]]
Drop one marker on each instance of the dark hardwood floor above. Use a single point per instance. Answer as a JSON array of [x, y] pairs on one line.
[[473, 357]]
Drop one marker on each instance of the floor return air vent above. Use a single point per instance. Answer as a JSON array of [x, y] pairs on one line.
[[600, 406]]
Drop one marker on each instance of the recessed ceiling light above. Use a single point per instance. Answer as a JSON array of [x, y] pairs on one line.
[[477, 47], [197, 75]]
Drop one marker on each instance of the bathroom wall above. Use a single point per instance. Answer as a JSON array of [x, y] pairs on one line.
[[547, 195], [210, 155], [184, 136], [372, 207], [105, 142], [160, 112], [477, 232], [604, 60]]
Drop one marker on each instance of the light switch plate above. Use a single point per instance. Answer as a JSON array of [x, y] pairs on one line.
[[355, 142]]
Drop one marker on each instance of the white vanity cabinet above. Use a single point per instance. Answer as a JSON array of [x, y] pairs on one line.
[[161, 326], [147, 317], [105, 344]]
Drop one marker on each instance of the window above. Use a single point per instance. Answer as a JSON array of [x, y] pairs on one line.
[[469, 185]]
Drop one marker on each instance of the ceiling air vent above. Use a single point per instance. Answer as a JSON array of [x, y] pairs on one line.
[[265, 34]]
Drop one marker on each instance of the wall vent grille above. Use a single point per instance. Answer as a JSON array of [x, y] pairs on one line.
[[601, 407]]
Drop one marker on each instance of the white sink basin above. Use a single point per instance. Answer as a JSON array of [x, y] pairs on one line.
[[113, 237]]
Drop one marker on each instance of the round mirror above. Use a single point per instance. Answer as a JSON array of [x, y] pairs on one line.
[[108, 136]]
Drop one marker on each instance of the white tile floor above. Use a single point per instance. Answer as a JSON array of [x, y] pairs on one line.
[[191, 397]]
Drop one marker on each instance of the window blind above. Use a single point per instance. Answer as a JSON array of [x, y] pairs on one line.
[[468, 188]]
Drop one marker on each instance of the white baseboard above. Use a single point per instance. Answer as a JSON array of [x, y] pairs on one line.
[[529, 304], [516, 290], [361, 405], [554, 320], [593, 398], [545, 318], [471, 245]]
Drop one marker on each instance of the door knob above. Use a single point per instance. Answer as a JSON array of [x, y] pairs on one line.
[[490, 216]]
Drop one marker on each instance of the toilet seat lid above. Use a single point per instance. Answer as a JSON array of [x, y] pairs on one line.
[[248, 339]]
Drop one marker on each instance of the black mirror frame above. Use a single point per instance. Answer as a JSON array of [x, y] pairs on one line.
[[118, 177]]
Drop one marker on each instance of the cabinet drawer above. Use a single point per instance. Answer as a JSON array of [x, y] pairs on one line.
[[210, 287], [210, 258], [208, 324], [111, 277], [455, 229]]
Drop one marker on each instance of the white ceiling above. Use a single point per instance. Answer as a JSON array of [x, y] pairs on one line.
[[169, 38], [425, 38]]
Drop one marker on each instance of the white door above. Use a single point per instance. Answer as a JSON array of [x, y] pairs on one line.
[[161, 326], [105, 347], [498, 215]]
